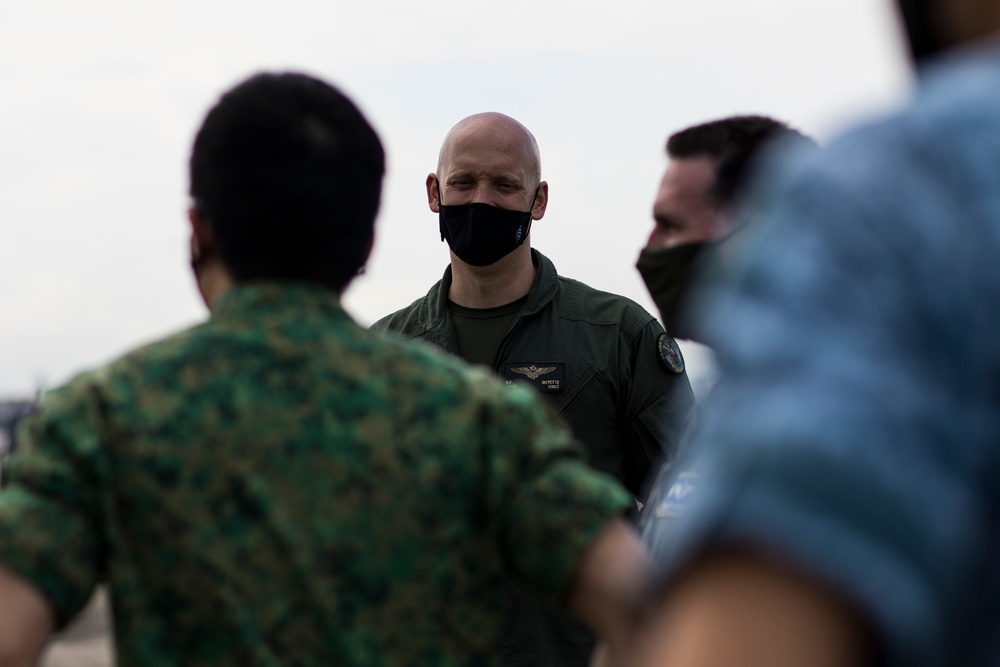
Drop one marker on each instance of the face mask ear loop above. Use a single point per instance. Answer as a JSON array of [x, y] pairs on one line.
[[437, 185]]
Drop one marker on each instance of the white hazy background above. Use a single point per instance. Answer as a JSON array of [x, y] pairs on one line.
[[99, 102]]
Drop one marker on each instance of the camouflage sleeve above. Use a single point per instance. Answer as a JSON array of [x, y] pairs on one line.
[[550, 504], [48, 533], [659, 404]]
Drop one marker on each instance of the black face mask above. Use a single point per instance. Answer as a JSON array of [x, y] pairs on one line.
[[668, 274], [919, 23], [481, 234]]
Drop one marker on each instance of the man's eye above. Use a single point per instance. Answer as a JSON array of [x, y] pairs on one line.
[[667, 225]]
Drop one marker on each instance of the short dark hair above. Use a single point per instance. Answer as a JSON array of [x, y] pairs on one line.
[[289, 174], [733, 143]]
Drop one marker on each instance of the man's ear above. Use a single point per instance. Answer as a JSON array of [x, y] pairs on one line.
[[433, 193], [541, 201], [202, 234]]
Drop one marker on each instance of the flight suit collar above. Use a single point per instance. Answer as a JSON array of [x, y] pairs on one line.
[[438, 328]]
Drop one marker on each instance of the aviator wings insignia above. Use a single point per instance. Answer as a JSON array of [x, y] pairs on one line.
[[533, 371]]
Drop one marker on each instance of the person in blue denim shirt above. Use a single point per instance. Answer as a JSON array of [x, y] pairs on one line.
[[849, 505]]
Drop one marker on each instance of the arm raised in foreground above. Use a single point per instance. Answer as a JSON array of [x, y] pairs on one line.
[[736, 607], [612, 586]]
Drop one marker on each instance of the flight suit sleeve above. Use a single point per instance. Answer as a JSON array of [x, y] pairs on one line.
[[49, 506], [659, 403]]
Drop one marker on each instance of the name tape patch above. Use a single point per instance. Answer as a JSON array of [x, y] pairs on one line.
[[670, 353]]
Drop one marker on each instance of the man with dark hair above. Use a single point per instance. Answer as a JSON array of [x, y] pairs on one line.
[[849, 505], [694, 216], [693, 211], [732, 144], [313, 160], [604, 363], [278, 486]]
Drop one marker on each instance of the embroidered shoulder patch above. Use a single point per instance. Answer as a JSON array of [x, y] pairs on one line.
[[670, 353], [678, 496]]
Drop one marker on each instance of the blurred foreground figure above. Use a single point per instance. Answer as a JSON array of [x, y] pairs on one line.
[[848, 509], [278, 486]]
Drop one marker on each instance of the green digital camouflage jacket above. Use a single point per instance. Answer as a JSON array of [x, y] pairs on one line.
[[278, 486], [604, 363]]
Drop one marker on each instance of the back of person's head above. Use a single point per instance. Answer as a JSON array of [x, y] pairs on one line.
[[288, 173], [733, 143], [936, 26]]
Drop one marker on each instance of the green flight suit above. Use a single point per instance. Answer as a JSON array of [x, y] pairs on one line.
[[627, 406], [598, 358]]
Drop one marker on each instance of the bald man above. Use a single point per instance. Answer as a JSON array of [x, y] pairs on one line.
[[604, 364]]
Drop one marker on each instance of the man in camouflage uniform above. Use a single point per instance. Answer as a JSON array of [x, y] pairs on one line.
[[278, 486]]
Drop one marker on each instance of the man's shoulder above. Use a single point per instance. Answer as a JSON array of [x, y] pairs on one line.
[[417, 318], [202, 340], [963, 83], [174, 364], [904, 164], [955, 107], [411, 319], [150, 352], [581, 302], [130, 373], [408, 356]]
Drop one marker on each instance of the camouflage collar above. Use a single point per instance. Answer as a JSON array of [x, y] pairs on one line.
[[275, 296]]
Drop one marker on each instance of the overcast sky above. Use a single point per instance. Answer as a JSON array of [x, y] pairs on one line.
[[99, 101]]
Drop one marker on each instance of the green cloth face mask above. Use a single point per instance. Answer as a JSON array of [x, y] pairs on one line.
[[668, 276]]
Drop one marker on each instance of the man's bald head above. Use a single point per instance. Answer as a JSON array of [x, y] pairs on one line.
[[500, 132], [489, 158]]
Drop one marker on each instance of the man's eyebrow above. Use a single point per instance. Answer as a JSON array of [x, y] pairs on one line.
[[509, 179]]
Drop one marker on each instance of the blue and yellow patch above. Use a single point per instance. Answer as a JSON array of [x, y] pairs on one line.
[[670, 353], [678, 497]]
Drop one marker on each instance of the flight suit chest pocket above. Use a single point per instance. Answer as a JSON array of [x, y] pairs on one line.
[[546, 376], [561, 385]]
